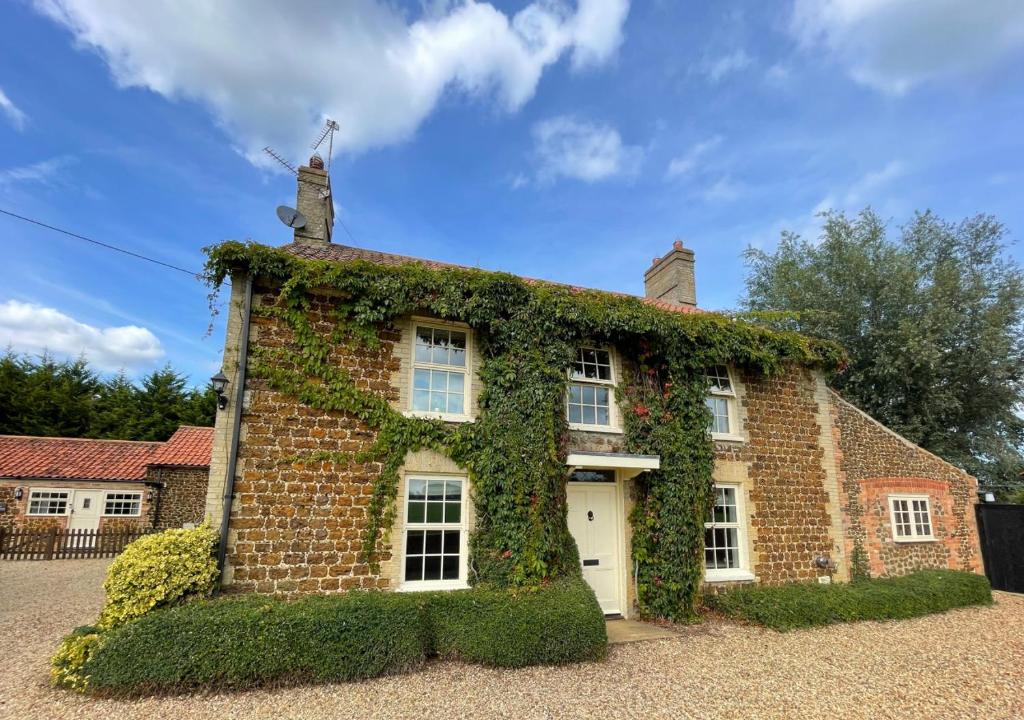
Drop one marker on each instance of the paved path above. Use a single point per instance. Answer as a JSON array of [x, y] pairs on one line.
[[962, 664]]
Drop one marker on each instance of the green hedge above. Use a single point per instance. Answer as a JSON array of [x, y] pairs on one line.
[[559, 624], [787, 607], [243, 642]]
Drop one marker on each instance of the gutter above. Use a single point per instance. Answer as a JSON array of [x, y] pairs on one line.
[[236, 410]]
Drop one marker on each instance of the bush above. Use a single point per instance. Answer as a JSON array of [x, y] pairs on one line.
[[787, 607], [73, 653], [242, 642], [158, 570], [558, 624]]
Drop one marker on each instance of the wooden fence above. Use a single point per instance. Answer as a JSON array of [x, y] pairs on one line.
[[62, 544]]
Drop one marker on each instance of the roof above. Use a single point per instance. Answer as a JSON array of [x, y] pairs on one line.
[[343, 253], [74, 458], [189, 446], [54, 458]]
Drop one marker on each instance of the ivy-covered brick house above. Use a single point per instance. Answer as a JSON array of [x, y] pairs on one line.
[[408, 425]]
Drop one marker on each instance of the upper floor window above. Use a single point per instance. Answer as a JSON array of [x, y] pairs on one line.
[[440, 369], [721, 401], [911, 518], [591, 389]]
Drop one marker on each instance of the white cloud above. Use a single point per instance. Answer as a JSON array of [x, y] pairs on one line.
[[722, 190], [687, 162], [892, 45], [14, 114], [31, 328], [717, 68], [271, 71], [567, 147], [44, 172]]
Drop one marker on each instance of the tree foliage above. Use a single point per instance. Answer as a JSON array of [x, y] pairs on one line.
[[932, 321], [43, 396]]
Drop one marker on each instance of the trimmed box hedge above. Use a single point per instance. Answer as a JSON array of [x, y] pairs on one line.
[[787, 607], [250, 641]]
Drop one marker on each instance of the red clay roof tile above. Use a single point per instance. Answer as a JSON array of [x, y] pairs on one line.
[[74, 458], [189, 445]]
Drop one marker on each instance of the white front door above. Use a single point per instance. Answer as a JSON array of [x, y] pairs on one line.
[[595, 525], [86, 510]]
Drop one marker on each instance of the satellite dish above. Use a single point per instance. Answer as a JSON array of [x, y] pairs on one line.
[[291, 217]]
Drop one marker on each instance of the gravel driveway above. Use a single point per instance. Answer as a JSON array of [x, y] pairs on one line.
[[963, 664]]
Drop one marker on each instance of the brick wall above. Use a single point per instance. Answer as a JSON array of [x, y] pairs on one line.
[[182, 494], [875, 463], [294, 528]]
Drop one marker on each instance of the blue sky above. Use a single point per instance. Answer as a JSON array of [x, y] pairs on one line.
[[556, 140]]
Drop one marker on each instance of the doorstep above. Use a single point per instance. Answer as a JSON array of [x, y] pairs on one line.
[[625, 631]]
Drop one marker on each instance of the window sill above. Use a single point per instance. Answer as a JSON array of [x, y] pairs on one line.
[[427, 585], [438, 416], [713, 576], [916, 539], [727, 437], [608, 429]]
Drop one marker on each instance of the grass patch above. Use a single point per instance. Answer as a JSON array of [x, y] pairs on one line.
[[253, 641], [801, 605]]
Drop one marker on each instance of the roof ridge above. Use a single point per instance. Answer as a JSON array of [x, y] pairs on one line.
[[83, 439]]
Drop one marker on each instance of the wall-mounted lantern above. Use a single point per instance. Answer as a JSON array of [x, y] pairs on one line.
[[220, 384], [18, 492]]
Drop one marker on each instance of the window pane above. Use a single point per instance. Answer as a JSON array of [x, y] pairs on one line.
[[589, 356], [575, 394], [421, 379], [575, 414], [432, 567], [439, 356], [587, 393], [452, 512], [414, 568], [435, 512], [453, 489], [414, 542], [457, 340], [432, 546], [450, 567], [421, 400], [416, 512], [456, 382], [588, 415], [438, 402], [438, 380], [435, 490], [601, 396], [455, 404], [451, 542], [417, 489], [602, 416]]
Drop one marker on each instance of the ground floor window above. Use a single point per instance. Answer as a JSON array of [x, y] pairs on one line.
[[724, 553], [435, 533], [911, 518], [48, 502], [123, 504]]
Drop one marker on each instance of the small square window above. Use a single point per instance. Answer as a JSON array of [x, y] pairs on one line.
[[123, 504], [48, 502], [911, 518]]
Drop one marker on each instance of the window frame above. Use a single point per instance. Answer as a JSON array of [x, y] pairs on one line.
[[462, 526], [68, 501], [732, 406], [743, 572], [913, 537], [468, 411], [614, 424], [106, 499]]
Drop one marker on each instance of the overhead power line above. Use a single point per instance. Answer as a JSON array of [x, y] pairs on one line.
[[108, 246]]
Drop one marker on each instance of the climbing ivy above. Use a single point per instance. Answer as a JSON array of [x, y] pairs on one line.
[[526, 338]]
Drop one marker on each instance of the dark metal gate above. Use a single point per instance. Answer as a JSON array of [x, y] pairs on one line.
[[1001, 530]]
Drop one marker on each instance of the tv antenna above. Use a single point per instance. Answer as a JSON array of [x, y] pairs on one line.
[[327, 134], [270, 151]]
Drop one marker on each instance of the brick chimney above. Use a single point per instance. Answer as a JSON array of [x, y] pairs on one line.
[[671, 277], [314, 202]]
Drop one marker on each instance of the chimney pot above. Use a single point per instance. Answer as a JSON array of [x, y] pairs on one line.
[[671, 278], [316, 162]]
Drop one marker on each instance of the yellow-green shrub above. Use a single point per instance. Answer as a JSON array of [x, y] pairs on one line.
[[158, 570], [66, 665]]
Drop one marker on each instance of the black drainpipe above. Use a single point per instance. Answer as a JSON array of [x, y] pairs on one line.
[[236, 410]]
